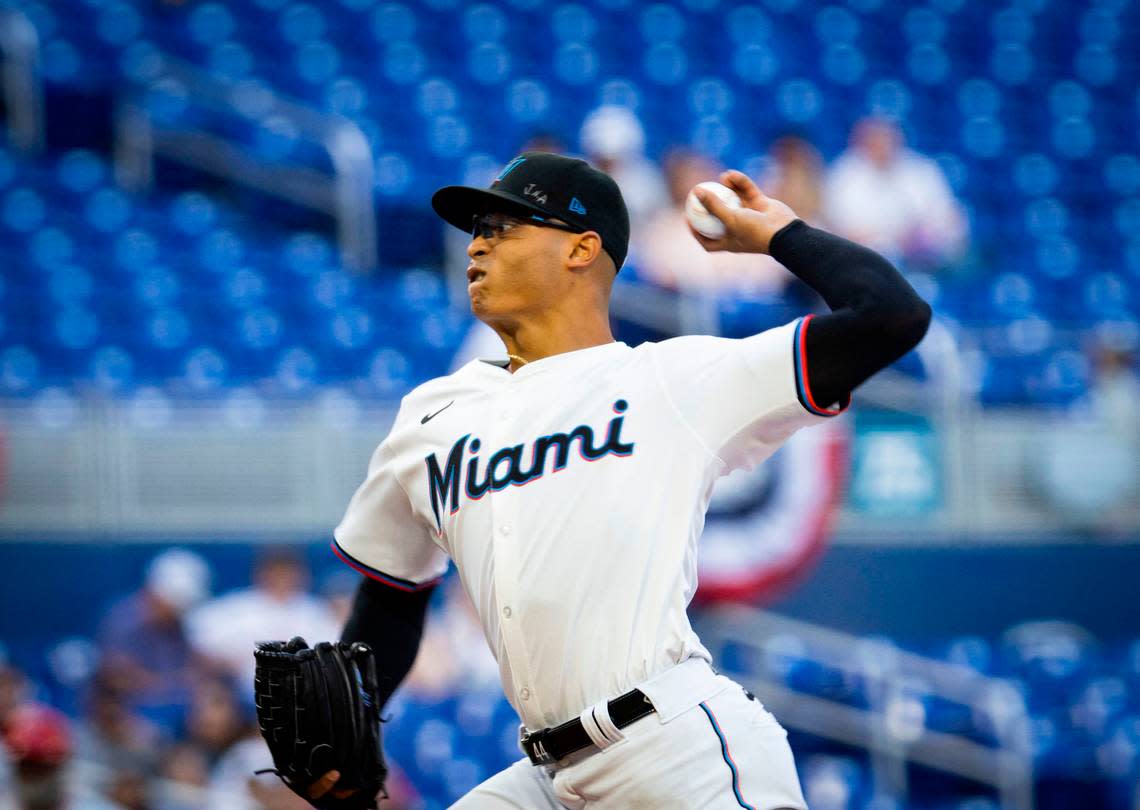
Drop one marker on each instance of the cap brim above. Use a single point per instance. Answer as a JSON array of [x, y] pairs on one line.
[[459, 205]]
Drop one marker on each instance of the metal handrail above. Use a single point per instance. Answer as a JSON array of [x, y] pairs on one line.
[[20, 77], [347, 195], [1008, 768]]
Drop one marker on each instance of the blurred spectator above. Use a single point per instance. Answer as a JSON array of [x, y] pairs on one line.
[[1114, 393], [7, 781], [544, 140], [795, 176], [226, 628], [144, 650], [129, 789], [185, 775], [1087, 471], [12, 688], [216, 719], [885, 196], [112, 738], [39, 743], [613, 140], [235, 786], [338, 589], [668, 255], [12, 691]]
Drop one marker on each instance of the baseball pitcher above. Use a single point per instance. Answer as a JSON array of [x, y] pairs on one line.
[[569, 486]]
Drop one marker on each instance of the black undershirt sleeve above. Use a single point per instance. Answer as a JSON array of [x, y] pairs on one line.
[[391, 621], [876, 316]]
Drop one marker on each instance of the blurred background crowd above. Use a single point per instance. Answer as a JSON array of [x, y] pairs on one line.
[[219, 272]]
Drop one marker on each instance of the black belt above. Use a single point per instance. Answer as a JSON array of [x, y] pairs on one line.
[[552, 744]]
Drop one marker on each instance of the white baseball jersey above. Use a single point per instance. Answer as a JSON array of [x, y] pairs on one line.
[[570, 495]]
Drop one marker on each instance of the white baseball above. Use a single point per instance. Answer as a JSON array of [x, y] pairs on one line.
[[699, 217]]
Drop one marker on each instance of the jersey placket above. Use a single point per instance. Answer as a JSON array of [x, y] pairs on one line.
[[507, 535]]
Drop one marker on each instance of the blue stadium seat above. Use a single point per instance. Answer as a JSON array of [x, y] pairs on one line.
[[51, 247], [157, 287], [19, 370], [301, 23], [108, 210], [244, 287], [973, 652], [389, 372], [1064, 379], [210, 22], [204, 371], [403, 62], [1057, 257], [393, 22], [232, 60], [118, 24], [347, 96], [843, 63], [23, 210], [260, 329], [70, 284], [821, 680], [62, 62], [112, 368], [1122, 173], [316, 63], [220, 251], [140, 61], [1013, 295], [75, 327], [135, 249], [296, 371], [192, 213], [168, 329], [81, 171], [306, 253]]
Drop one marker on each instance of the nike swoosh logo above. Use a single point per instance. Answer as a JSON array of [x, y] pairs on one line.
[[431, 416]]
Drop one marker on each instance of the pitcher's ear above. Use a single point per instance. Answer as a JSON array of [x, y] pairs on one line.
[[586, 248]]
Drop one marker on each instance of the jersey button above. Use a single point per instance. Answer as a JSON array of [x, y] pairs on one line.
[[504, 530], [507, 612], [524, 693]]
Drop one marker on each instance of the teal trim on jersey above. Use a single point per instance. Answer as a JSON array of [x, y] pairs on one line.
[[405, 585], [727, 758], [799, 360]]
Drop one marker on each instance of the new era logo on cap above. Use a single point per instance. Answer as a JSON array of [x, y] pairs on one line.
[[576, 206]]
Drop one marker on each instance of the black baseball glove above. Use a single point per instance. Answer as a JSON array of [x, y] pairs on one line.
[[318, 711]]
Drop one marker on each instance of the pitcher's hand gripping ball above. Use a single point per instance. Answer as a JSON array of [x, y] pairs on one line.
[[318, 712], [699, 217]]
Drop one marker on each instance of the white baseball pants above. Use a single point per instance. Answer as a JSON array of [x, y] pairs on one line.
[[725, 753]]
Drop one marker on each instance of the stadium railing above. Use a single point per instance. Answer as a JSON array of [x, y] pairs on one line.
[[109, 468], [893, 726], [346, 195]]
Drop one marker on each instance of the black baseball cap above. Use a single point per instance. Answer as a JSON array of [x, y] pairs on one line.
[[545, 185]]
